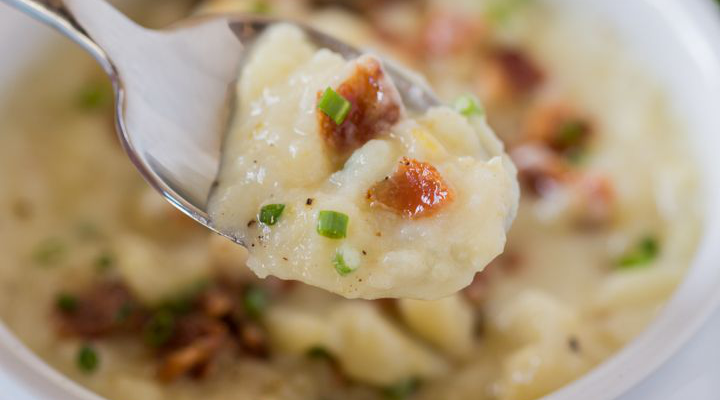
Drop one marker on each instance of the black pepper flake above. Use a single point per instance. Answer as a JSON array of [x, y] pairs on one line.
[[251, 223], [309, 201], [285, 258], [364, 252], [574, 344]]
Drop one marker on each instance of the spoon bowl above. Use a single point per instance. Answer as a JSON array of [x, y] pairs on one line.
[[174, 89]]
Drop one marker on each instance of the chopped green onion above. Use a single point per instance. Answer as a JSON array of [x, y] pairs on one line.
[[261, 7], [160, 328], [49, 252], [104, 261], [181, 302], [255, 301], [124, 312], [332, 224], [468, 105], [346, 260], [502, 11], [334, 106], [319, 353], [87, 359], [66, 302], [86, 230], [576, 156], [403, 389], [644, 252], [571, 133], [95, 95], [269, 214]]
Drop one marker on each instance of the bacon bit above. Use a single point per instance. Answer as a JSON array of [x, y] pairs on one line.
[[415, 190], [595, 200], [559, 127], [522, 74], [539, 169], [106, 308], [253, 340], [508, 75], [449, 33], [388, 306], [216, 302], [195, 343], [194, 357], [374, 108]]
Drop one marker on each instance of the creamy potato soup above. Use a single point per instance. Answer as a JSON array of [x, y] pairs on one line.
[[112, 286], [328, 179]]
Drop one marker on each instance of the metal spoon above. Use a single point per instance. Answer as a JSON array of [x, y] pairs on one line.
[[173, 88]]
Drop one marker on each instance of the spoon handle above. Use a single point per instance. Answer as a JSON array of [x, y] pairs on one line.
[[55, 14]]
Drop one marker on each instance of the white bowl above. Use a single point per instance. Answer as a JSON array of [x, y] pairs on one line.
[[678, 40]]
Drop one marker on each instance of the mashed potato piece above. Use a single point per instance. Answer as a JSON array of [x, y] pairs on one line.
[[423, 202]]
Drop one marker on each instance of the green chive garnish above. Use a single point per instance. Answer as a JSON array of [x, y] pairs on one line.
[[642, 254], [261, 7], [332, 224], [255, 301], [66, 302], [124, 312], [571, 133], [334, 106], [403, 389], [95, 95], [49, 252], [160, 328], [468, 105], [87, 359], [346, 261], [104, 261], [501, 11], [269, 214], [319, 353]]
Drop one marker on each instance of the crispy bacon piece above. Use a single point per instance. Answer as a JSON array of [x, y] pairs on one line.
[[253, 340], [594, 201], [206, 324], [106, 308], [193, 346], [539, 169], [217, 302], [415, 190], [559, 127], [509, 74], [522, 74], [375, 107]]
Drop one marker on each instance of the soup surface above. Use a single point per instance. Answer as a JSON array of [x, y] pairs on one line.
[[126, 296]]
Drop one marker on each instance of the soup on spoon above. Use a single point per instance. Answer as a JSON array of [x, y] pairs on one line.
[[328, 179]]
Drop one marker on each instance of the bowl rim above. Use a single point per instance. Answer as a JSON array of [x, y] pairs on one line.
[[27, 376]]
